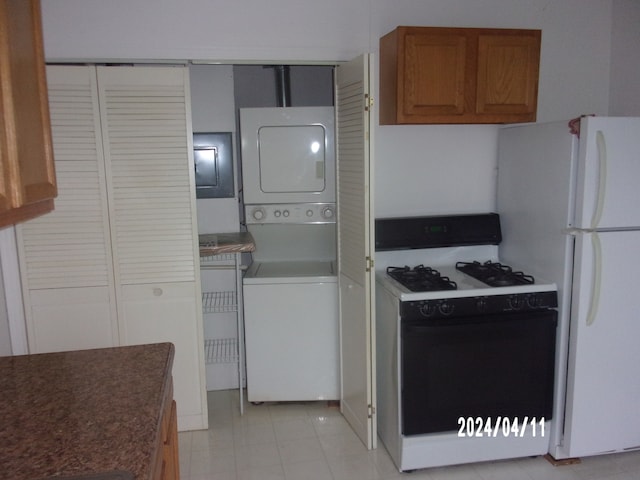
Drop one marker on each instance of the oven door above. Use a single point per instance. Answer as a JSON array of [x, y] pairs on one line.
[[486, 366]]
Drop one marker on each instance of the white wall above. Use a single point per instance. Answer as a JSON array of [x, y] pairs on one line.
[[625, 59], [414, 165], [213, 110]]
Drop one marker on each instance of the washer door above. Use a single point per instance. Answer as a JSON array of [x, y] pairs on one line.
[[292, 339]]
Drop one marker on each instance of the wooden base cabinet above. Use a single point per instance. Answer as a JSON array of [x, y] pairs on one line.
[[167, 460], [458, 75]]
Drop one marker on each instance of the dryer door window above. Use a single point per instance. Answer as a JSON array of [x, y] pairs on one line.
[[292, 158]]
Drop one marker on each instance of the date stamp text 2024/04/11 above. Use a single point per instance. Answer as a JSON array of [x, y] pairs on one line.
[[501, 427]]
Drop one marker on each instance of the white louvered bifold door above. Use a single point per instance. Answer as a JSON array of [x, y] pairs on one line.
[[147, 152], [65, 256], [150, 184], [355, 272]]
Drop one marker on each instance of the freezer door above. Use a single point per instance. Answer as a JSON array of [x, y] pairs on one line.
[[603, 383], [608, 172]]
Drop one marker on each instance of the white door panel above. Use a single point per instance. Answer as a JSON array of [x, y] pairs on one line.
[[165, 312], [603, 386], [71, 319], [609, 168], [355, 248], [305, 366]]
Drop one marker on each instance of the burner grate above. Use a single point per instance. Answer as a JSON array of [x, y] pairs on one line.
[[494, 274], [421, 279]]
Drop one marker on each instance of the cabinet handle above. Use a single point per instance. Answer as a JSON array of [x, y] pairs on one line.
[[157, 291]]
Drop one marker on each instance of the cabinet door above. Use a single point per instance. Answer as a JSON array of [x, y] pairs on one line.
[[145, 117], [458, 75], [167, 312], [508, 74], [65, 257], [26, 158], [63, 319], [434, 74], [149, 162], [355, 249]]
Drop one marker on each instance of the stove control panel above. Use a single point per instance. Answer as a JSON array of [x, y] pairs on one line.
[[482, 305], [291, 213]]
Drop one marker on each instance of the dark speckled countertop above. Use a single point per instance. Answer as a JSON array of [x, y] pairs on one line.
[[81, 412], [220, 243]]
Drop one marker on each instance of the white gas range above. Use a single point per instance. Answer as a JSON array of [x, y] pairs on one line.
[[464, 368]]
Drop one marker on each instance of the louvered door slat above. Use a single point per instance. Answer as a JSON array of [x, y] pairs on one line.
[[69, 247], [147, 154]]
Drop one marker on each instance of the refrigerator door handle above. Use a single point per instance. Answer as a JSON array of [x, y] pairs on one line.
[[601, 144], [596, 278]]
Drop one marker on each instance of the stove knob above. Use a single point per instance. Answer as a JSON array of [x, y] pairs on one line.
[[534, 301], [516, 302], [446, 308], [427, 309]]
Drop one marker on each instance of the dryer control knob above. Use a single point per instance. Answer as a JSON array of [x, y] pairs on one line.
[[277, 213], [327, 212], [285, 213], [309, 213], [258, 213]]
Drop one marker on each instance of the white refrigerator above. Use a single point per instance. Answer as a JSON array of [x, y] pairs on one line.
[[570, 212]]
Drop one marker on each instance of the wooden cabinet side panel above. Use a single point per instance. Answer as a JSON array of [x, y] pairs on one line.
[[389, 72], [167, 463], [29, 151], [170, 446], [5, 173], [508, 74]]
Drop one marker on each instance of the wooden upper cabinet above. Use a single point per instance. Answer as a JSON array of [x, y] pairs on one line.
[[27, 175], [458, 75]]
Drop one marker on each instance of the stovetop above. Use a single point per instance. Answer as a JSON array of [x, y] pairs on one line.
[[445, 257], [456, 280], [428, 279]]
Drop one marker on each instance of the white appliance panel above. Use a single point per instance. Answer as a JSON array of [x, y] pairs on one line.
[[292, 341], [301, 271], [537, 167], [297, 242], [603, 387], [608, 173], [294, 269], [543, 179], [536, 179], [288, 154]]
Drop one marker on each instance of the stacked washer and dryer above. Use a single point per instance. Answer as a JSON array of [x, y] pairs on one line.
[[290, 289]]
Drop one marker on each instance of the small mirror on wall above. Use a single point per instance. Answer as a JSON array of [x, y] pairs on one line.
[[213, 158]]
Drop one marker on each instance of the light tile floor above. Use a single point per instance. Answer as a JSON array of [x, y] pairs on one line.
[[310, 441]]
